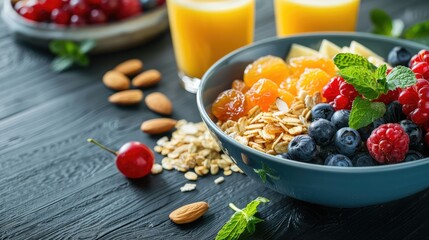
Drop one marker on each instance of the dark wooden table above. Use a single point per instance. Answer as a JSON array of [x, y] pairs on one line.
[[54, 185]]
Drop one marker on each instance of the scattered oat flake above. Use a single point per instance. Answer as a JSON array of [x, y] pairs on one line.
[[188, 187], [156, 169], [219, 180]]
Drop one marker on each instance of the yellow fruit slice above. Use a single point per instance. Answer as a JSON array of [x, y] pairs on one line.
[[360, 49], [297, 50], [328, 49]]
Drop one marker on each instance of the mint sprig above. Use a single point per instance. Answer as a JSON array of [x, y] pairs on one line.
[[364, 112], [70, 53], [385, 25], [370, 82], [241, 220]]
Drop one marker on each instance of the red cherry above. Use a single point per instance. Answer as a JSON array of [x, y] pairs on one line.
[[76, 20], [60, 16], [97, 16], [80, 7], [110, 7], [95, 3], [50, 5], [133, 160], [29, 13], [128, 8]]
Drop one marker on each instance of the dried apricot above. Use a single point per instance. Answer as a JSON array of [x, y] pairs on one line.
[[240, 86], [263, 93], [299, 64], [286, 96], [290, 85], [229, 105], [270, 67], [313, 80]]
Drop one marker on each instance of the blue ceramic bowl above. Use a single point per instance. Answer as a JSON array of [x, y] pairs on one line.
[[325, 185]]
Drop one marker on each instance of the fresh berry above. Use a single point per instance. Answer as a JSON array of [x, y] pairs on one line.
[[60, 16], [338, 160], [399, 56], [29, 13], [128, 8], [80, 7], [302, 148], [413, 155], [97, 16], [427, 139], [394, 113], [133, 160], [421, 69], [348, 90], [332, 89], [415, 101], [342, 102], [347, 141], [389, 97], [77, 21], [363, 160], [322, 131], [340, 118], [365, 132], [414, 132], [109, 7], [322, 110], [388, 143], [421, 56], [50, 5], [285, 156], [326, 151]]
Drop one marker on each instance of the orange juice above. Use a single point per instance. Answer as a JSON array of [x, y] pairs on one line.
[[203, 31], [296, 16]]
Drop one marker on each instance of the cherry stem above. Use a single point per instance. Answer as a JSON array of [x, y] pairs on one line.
[[102, 146]]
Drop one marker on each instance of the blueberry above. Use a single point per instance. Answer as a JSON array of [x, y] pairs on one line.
[[347, 141], [363, 160], [341, 118], [365, 132], [394, 113], [326, 151], [413, 155], [338, 160], [322, 110], [399, 56], [378, 122], [148, 4], [414, 132], [302, 148], [322, 131]]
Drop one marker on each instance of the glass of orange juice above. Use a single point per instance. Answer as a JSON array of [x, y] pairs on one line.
[[203, 31], [297, 16]]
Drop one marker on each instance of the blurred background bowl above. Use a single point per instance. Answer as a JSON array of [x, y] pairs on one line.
[[109, 37], [325, 185]]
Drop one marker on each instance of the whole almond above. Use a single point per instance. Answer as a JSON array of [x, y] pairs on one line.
[[116, 80], [158, 125], [159, 103], [147, 78], [130, 67], [189, 213], [127, 97]]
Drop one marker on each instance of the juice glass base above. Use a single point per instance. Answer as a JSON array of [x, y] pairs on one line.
[[190, 84]]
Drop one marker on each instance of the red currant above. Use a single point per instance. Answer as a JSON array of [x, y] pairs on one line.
[[60, 16], [97, 16], [424, 55], [50, 5], [80, 7], [128, 8], [421, 68], [348, 90], [95, 3], [29, 13], [389, 97], [133, 160], [342, 102], [332, 89], [110, 7], [76, 20]]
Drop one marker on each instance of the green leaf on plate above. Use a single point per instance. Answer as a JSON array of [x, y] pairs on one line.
[[364, 112], [344, 60], [364, 81], [401, 77]]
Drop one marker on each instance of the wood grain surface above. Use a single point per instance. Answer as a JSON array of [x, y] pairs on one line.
[[54, 185]]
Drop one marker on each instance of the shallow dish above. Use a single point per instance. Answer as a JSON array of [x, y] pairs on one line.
[[109, 37], [325, 185]]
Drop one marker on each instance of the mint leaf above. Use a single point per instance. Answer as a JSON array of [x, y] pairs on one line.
[[70, 53], [380, 73], [363, 80], [241, 220], [382, 22], [418, 32], [365, 112], [401, 77], [345, 60]]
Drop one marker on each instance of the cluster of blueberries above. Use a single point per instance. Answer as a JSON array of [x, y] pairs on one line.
[[330, 140]]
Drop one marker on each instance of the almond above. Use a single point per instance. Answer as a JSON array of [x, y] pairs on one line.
[[158, 125], [127, 97], [147, 78], [159, 103], [130, 67], [189, 213], [116, 80]]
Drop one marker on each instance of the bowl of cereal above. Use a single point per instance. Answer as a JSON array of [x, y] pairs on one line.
[[340, 120]]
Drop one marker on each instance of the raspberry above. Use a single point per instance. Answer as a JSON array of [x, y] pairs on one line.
[[339, 93], [332, 89], [389, 97], [415, 102], [388, 143]]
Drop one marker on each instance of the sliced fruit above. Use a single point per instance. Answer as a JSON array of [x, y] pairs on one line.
[[299, 64], [313, 80], [329, 49], [297, 50], [270, 67], [290, 85], [378, 61], [360, 49]]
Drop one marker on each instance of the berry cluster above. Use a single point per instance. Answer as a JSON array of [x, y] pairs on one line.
[[83, 12], [339, 93], [419, 64]]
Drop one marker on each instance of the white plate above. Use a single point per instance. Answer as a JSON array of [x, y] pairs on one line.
[[109, 37]]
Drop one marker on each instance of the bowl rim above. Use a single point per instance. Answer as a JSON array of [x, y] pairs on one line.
[[309, 166]]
